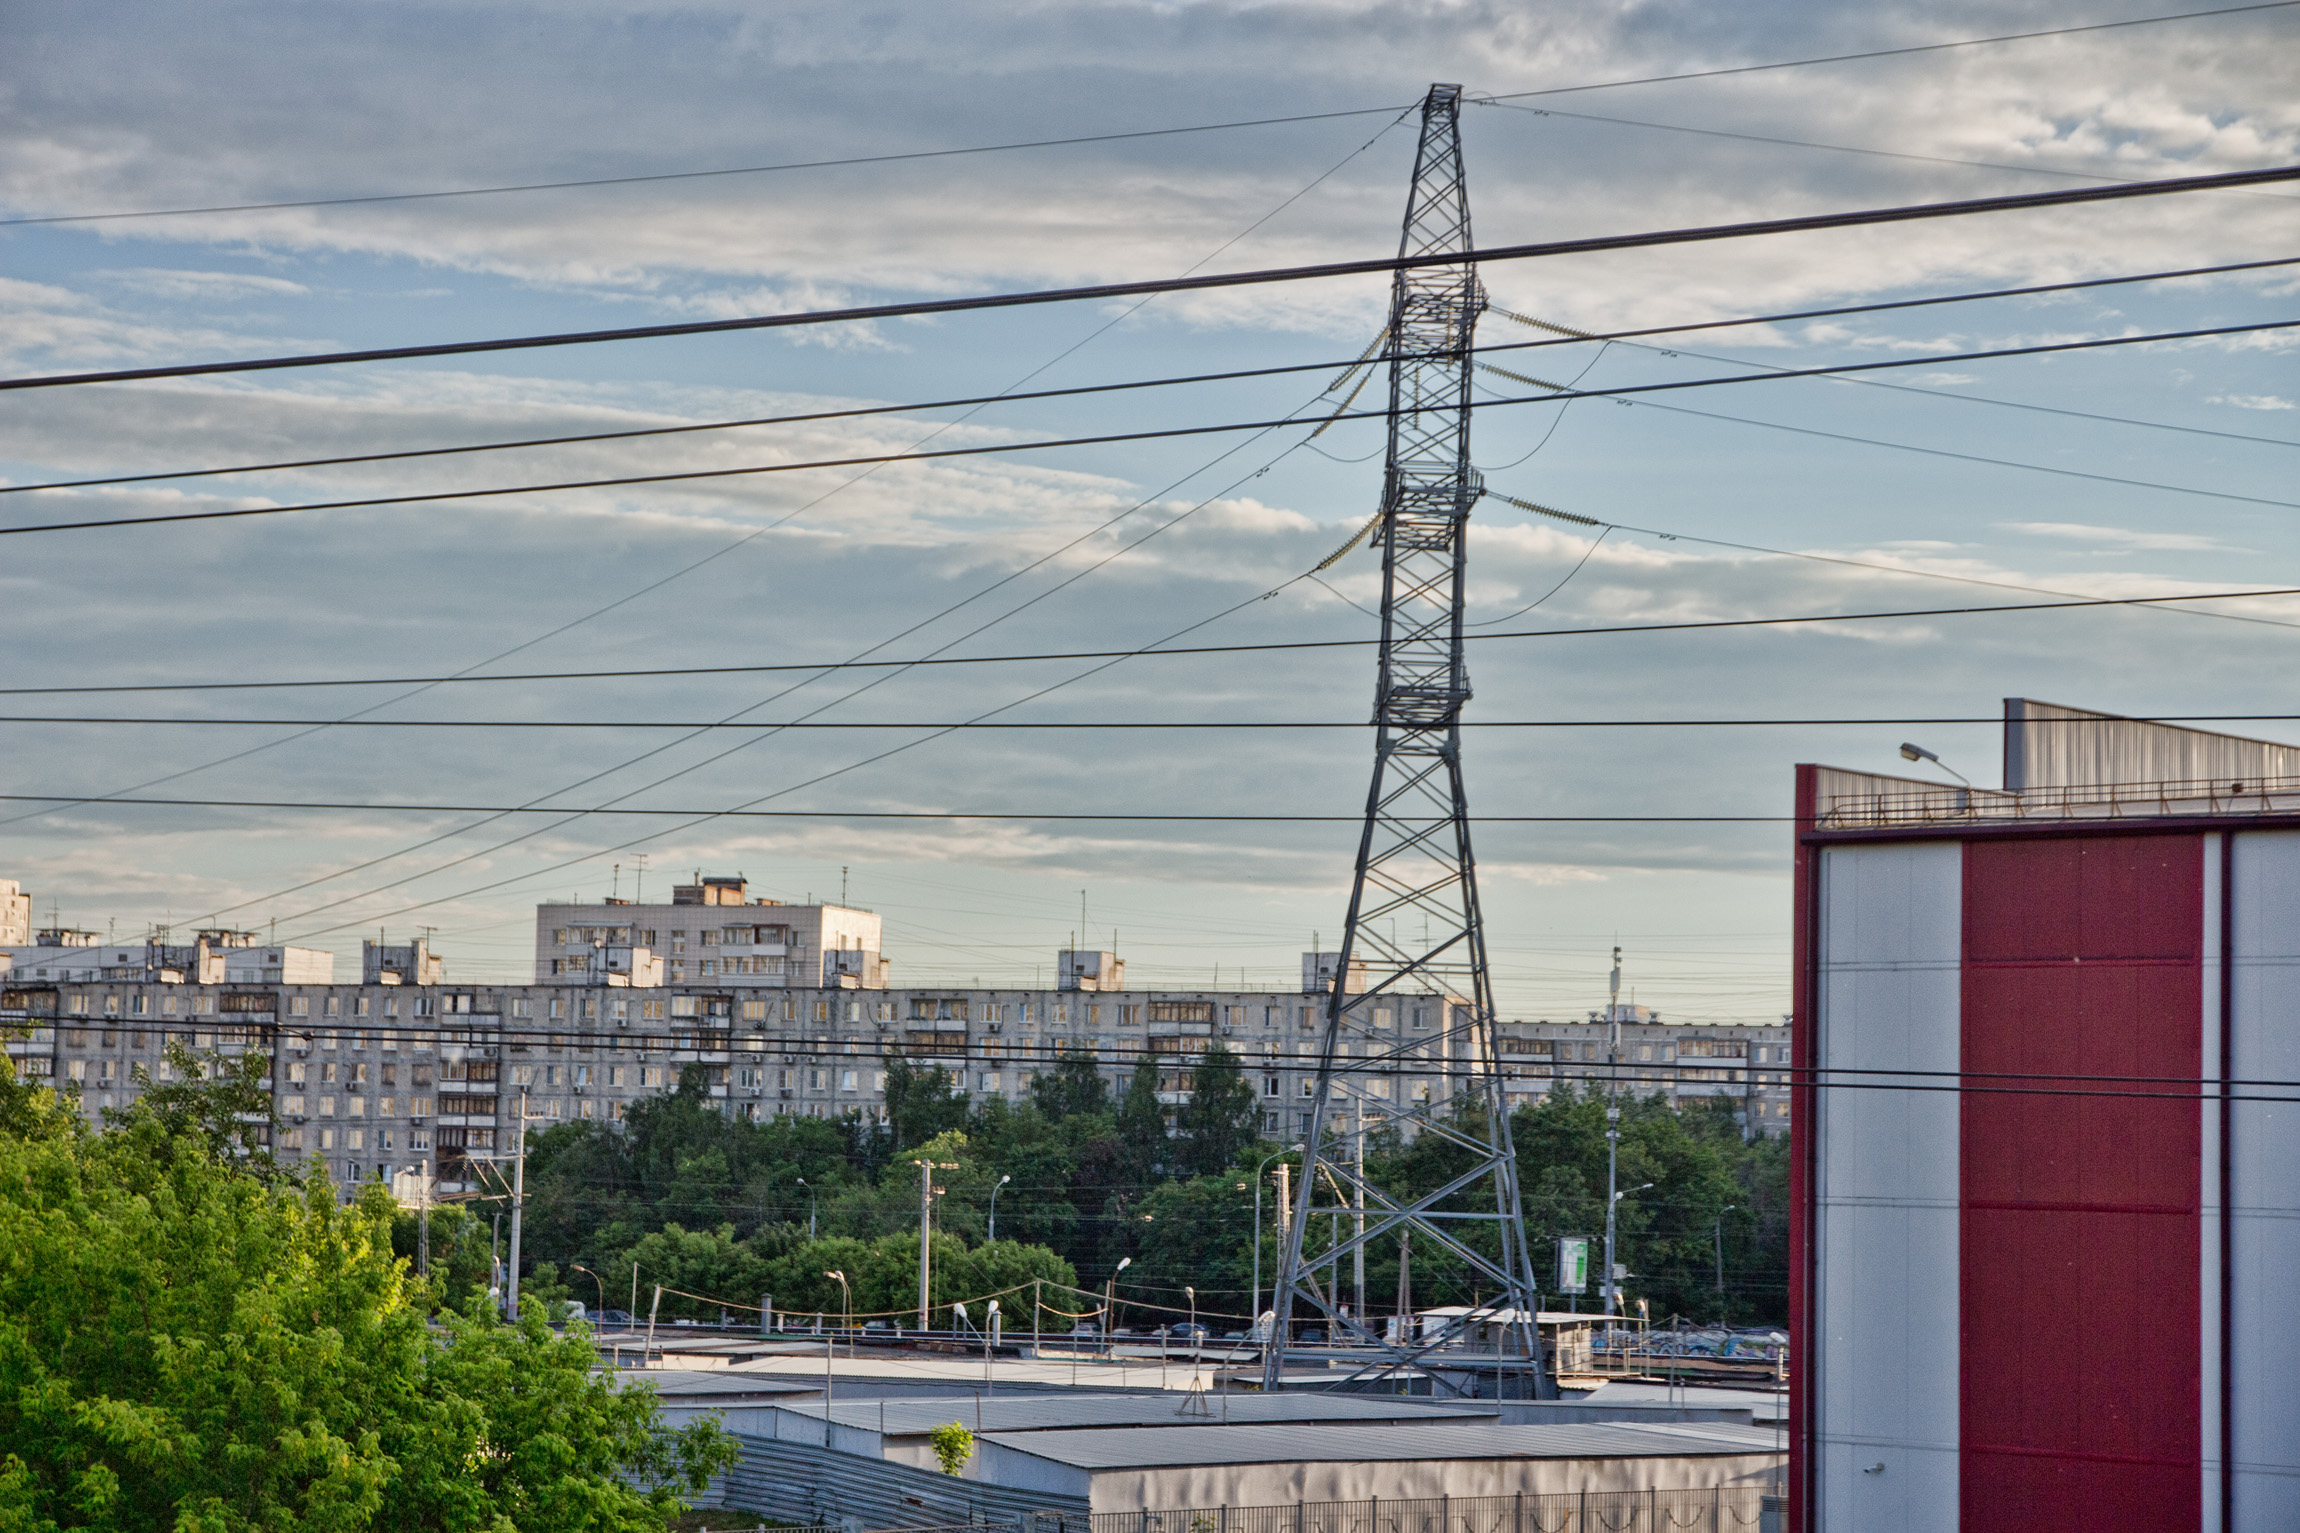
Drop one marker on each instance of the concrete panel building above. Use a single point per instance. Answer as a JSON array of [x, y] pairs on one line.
[[1268, 1465], [2046, 1227], [711, 933]]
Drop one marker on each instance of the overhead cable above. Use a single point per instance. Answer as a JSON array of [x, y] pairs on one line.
[[1622, 391], [1566, 336], [1104, 138], [1178, 651], [1383, 266]]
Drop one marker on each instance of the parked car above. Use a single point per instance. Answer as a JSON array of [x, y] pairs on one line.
[[1184, 1331]]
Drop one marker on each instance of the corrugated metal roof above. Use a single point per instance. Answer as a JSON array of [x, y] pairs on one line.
[[1121, 1449], [1056, 1412], [720, 1387]]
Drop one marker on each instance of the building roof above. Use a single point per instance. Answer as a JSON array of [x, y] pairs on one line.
[[715, 1386], [1057, 1412], [1235, 1444]]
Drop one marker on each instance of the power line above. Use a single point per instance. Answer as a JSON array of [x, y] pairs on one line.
[[1887, 53], [1573, 338], [1156, 724], [1622, 392], [1803, 143], [703, 175], [1801, 1078], [1178, 651], [577, 811], [1598, 244], [1103, 138]]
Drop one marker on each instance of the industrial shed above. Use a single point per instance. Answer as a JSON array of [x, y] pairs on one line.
[[2044, 1210], [898, 1430], [1124, 1470]]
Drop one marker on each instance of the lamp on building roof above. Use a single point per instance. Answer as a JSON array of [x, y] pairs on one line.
[[1911, 752]]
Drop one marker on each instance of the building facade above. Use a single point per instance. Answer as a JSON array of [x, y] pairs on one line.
[[377, 1079], [2045, 1226], [1691, 1064], [710, 934]]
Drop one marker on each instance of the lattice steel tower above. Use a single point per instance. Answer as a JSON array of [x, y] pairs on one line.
[[1415, 935]]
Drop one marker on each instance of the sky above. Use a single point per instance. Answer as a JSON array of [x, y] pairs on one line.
[[2151, 469]]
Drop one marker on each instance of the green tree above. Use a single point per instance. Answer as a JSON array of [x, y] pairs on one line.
[[218, 1098], [1073, 1088], [921, 1103], [1142, 1128], [185, 1345], [953, 1446], [1221, 1117]]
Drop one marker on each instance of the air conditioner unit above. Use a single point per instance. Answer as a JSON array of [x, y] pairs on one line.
[[993, 1027], [758, 1091]]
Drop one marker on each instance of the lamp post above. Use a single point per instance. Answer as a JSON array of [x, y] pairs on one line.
[[1110, 1304], [579, 1267], [993, 1235], [1256, 1317], [810, 1208], [1612, 1282], [1721, 1213], [1195, 1350], [847, 1307]]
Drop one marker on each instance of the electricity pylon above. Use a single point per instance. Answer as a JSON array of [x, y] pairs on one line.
[[1410, 989]]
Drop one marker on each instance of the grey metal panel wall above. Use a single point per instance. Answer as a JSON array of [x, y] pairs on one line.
[[2049, 746], [803, 1483]]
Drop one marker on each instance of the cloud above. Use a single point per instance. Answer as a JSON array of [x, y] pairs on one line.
[[199, 285], [2253, 401], [2118, 539]]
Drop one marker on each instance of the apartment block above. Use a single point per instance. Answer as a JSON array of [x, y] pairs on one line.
[[1689, 1063], [712, 934], [15, 915], [376, 1079], [211, 958]]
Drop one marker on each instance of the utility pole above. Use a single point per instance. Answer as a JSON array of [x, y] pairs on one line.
[[1414, 856], [926, 1171], [518, 1206], [1610, 1287], [1358, 1202], [423, 1220]]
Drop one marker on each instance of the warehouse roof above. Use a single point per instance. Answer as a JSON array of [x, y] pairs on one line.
[[1051, 1412], [1272, 1444]]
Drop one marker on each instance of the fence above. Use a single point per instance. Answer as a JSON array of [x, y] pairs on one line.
[[1716, 1510]]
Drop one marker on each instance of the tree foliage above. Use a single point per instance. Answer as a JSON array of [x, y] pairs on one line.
[[187, 1345]]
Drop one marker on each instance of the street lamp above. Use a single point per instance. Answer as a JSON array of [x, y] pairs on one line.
[[1612, 1282], [1911, 752], [1196, 1351], [1721, 1213], [1255, 1319], [847, 1306], [993, 1235], [1110, 1304], [810, 1208], [579, 1267]]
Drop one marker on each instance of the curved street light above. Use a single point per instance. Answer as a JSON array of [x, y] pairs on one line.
[[810, 1208], [848, 1307], [1255, 1318], [1110, 1305], [993, 1235], [586, 1271]]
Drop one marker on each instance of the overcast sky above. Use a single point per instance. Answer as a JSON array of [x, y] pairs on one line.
[[2063, 473]]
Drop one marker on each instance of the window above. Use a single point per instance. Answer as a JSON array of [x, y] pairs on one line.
[[355, 1139], [550, 1075], [1269, 1085], [522, 1075], [822, 1011], [615, 1075], [1130, 1016], [815, 1079], [651, 1075], [582, 1075], [650, 1011], [384, 1109], [987, 1081], [523, 1008], [846, 1080], [327, 1138], [298, 1005], [1645, 1051]]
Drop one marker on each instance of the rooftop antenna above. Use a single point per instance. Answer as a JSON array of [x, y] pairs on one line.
[[639, 880], [615, 882], [1414, 850], [842, 885]]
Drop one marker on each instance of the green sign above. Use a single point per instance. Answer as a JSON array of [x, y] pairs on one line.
[[1573, 1265]]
